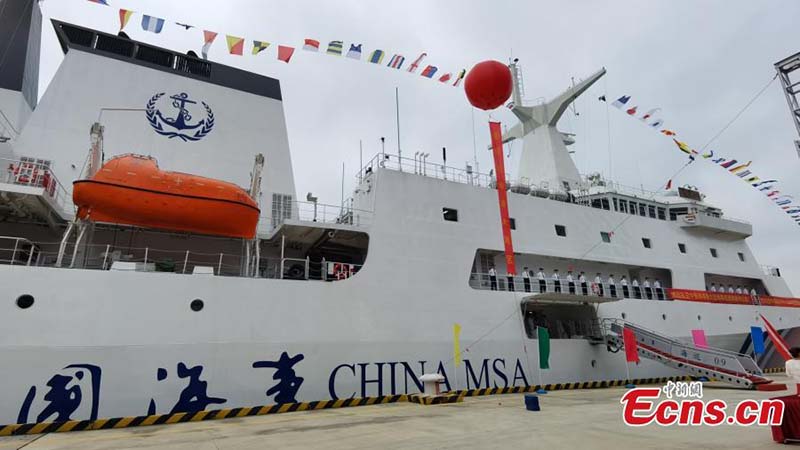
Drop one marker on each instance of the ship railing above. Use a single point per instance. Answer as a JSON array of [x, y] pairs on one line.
[[344, 214], [148, 259], [703, 355], [35, 173], [516, 283], [17, 251], [469, 175]]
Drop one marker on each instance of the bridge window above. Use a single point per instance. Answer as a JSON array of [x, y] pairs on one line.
[[681, 247], [605, 236], [623, 206], [741, 256], [450, 214], [713, 252], [605, 204], [561, 230], [652, 210], [633, 208], [662, 213], [616, 206], [646, 242], [642, 210]]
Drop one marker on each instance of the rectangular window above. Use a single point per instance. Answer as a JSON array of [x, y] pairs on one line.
[[605, 204], [450, 214], [596, 203], [642, 210], [561, 230], [741, 256], [606, 237], [672, 215], [646, 242], [713, 252], [623, 206], [682, 247], [634, 205], [616, 206], [652, 210], [512, 223], [662, 213]]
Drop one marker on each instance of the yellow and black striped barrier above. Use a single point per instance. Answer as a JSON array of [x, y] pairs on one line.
[[427, 400], [775, 370], [163, 419]]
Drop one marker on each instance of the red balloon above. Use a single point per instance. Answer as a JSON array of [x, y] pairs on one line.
[[488, 85]]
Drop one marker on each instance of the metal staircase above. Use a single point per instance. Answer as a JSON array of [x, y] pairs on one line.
[[722, 365]]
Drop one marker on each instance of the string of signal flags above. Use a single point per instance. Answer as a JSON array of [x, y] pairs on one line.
[[743, 170], [236, 46]]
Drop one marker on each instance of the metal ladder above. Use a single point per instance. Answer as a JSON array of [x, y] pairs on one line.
[[729, 367]]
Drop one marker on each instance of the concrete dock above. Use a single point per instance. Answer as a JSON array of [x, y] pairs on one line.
[[578, 419]]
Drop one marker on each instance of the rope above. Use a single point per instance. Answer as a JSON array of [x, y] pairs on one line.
[[718, 134], [752, 100]]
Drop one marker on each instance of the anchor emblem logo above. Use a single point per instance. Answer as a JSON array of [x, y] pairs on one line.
[[181, 125]]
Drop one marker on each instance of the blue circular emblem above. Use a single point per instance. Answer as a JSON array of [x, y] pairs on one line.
[[181, 125]]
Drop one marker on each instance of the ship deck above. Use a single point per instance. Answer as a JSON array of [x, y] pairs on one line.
[[495, 421]]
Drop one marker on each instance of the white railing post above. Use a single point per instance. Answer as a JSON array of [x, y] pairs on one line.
[[219, 264], [146, 251], [14, 253], [105, 256], [185, 261], [307, 264], [283, 246], [324, 270], [30, 254]]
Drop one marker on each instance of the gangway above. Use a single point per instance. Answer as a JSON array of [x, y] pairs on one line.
[[729, 367]]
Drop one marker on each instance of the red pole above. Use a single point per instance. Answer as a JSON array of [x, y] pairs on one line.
[[502, 195]]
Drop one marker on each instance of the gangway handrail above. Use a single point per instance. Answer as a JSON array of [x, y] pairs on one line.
[[740, 358]]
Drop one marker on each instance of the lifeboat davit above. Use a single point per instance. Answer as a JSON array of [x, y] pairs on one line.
[[132, 190]]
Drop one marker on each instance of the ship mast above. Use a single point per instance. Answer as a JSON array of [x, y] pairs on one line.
[[545, 160]]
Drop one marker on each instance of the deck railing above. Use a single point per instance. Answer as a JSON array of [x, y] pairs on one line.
[[20, 251], [30, 173]]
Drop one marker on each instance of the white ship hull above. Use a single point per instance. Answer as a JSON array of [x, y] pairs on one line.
[[144, 323]]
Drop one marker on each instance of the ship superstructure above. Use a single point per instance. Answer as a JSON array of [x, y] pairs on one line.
[[352, 300]]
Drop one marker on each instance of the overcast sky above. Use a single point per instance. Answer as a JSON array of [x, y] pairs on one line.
[[700, 61]]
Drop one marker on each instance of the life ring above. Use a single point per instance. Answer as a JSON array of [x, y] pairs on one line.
[[595, 289]]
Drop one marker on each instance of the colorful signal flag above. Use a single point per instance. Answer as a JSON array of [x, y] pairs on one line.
[[124, 17], [285, 53], [429, 71], [376, 57], [235, 45], [259, 46], [152, 24], [311, 45]]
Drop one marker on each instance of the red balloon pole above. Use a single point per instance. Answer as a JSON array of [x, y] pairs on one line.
[[488, 85], [502, 195]]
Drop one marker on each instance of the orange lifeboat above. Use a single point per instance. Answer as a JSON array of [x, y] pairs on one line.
[[132, 190]]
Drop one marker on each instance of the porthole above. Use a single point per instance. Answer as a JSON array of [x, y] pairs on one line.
[[196, 305], [663, 317], [730, 318], [594, 363], [25, 301], [699, 318], [624, 315]]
